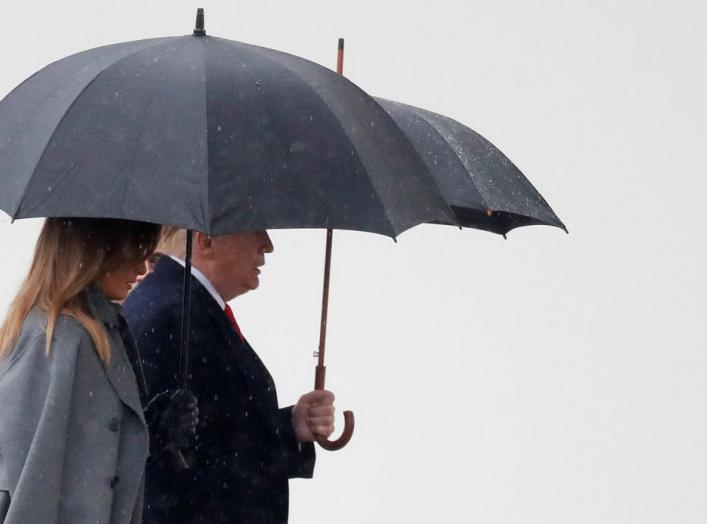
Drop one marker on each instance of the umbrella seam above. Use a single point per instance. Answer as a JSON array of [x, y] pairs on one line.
[[252, 76], [539, 195], [326, 105], [456, 156], [496, 218], [206, 127], [68, 109], [430, 177]]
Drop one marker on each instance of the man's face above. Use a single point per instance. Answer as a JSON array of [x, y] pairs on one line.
[[237, 259]]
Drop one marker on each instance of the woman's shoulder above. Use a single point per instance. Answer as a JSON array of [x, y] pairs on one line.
[[67, 340], [67, 327]]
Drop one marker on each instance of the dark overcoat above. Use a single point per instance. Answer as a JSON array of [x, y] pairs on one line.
[[73, 440], [245, 448]]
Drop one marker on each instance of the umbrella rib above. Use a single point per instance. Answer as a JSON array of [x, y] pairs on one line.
[[206, 127], [157, 41], [497, 218], [338, 120], [430, 177], [458, 159]]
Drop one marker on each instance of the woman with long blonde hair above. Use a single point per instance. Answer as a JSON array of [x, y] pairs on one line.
[[73, 436]]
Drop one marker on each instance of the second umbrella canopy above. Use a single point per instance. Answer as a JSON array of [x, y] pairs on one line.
[[482, 186]]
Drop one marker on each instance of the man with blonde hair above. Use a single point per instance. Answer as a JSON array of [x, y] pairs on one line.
[[246, 446]]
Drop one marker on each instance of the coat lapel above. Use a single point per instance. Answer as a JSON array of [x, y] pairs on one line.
[[206, 311], [119, 371], [230, 350]]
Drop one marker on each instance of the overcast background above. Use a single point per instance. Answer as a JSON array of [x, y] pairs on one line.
[[547, 378]]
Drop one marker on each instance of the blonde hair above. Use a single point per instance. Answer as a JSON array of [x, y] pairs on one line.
[[71, 254], [173, 242]]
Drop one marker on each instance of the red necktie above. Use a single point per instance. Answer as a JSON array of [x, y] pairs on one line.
[[232, 319]]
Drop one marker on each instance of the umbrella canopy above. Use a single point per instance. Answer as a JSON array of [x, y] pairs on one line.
[[483, 187], [212, 135]]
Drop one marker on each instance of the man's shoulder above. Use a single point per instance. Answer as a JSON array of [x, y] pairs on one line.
[[157, 291], [142, 305]]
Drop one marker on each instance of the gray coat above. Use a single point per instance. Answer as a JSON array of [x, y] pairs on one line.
[[73, 439]]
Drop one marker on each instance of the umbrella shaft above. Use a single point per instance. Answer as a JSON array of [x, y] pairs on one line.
[[186, 314], [319, 377], [325, 301], [320, 374]]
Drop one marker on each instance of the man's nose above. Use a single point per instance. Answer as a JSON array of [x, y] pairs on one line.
[[267, 243]]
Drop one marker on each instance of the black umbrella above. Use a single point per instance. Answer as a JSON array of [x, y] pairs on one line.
[[208, 134], [483, 187]]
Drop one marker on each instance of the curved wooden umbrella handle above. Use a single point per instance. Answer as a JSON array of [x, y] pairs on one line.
[[334, 445]]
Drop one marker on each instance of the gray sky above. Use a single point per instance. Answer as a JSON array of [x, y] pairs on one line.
[[547, 378]]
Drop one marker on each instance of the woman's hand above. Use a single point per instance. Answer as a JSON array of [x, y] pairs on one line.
[[172, 417]]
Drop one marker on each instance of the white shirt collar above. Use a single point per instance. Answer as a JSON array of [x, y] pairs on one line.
[[204, 282]]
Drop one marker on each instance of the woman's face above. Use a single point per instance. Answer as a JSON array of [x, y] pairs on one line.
[[116, 284]]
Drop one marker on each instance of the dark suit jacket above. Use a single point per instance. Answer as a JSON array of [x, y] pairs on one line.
[[245, 448]]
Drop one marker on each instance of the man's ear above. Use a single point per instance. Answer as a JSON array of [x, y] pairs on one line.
[[203, 244]]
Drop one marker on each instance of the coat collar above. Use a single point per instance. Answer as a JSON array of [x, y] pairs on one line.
[[101, 308], [204, 281]]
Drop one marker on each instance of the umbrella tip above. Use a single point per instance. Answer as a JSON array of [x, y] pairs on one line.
[[199, 29]]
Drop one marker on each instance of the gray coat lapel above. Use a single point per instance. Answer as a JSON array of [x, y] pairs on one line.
[[120, 373]]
